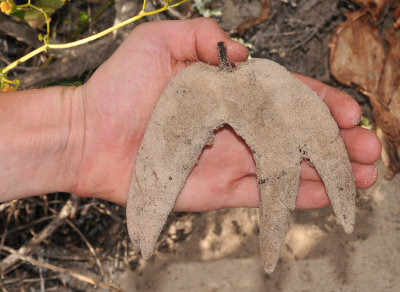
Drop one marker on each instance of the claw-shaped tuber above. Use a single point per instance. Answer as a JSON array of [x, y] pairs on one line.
[[282, 121]]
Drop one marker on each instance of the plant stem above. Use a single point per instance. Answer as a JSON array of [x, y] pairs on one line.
[[224, 63], [48, 46]]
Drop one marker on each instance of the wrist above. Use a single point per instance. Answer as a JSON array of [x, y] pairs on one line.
[[71, 137], [41, 133]]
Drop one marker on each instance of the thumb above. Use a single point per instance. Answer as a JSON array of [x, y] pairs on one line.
[[192, 40]]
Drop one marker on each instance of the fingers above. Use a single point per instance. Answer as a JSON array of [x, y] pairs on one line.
[[363, 148], [365, 176], [244, 193], [362, 145], [344, 109], [312, 194], [225, 175]]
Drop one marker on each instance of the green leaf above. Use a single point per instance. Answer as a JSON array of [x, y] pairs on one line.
[[18, 14], [365, 121], [53, 4], [35, 18], [83, 18]]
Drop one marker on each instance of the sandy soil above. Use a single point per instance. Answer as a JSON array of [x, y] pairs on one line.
[[221, 253]]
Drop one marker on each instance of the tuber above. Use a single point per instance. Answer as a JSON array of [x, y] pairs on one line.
[[281, 120]]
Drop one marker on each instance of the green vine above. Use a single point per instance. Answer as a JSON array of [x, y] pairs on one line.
[[9, 7]]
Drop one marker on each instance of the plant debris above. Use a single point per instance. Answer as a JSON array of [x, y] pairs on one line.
[[376, 8], [357, 53], [359, 58]]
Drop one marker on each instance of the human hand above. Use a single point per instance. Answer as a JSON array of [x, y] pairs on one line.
[[118, 100]]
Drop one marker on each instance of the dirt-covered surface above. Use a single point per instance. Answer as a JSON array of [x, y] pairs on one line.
[[219, 250], [222, 251]]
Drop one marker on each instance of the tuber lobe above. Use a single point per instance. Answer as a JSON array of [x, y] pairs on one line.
[[281, 120]]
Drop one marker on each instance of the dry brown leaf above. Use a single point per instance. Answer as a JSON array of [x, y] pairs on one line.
[[376, 8], [390, 83], [358, 59], [396, 15], [357, 53], [386, 105]]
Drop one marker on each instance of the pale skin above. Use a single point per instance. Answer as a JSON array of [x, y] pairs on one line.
[[84, 139]]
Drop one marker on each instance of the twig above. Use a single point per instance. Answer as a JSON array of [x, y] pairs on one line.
[[6, 205], [30, 224], [126, 259], [54, 268], [69, 258], [27, 281], [69, 209], [50, 46], [3, 237], [116, 257], [21, 285], [102, 209], [74, 63], [88, 244], [173, 12], [19, 31], [42, 284], [305, 40]]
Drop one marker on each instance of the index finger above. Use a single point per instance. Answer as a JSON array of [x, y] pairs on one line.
[[344, 109]]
